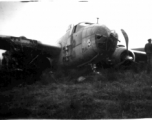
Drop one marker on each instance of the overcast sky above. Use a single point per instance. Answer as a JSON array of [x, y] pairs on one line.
[[48, 21]]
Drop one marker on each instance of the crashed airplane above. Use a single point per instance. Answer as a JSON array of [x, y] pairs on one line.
[[84, 43]]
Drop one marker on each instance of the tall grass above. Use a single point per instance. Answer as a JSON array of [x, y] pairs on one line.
[[110, 94]]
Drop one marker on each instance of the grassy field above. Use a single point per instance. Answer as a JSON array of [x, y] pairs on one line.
[[111, 94]]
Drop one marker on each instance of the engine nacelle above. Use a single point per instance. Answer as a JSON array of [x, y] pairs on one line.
[[122, 55]]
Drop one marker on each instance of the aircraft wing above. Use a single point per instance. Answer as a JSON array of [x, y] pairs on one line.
[[140, 54], [139, 49], [52, 51], [22, 43]]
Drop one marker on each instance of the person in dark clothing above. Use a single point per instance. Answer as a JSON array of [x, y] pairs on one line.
[[148, 50]]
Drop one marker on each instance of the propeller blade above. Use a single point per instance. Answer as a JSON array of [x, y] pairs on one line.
[[126, 38]]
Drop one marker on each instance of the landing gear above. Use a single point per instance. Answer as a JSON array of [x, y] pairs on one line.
[[94, 68]]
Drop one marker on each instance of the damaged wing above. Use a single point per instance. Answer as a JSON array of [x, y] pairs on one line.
[[23, 53]]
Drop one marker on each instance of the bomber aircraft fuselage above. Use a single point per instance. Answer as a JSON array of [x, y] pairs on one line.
[[86, 43], [83, 43]]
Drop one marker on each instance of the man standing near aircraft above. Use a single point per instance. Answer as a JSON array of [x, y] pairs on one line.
[[148, 50]]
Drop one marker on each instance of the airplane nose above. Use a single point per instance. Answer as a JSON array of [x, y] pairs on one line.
[[106, 43]]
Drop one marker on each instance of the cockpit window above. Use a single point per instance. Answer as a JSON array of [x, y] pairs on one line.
[[78, 27], [69, 27], [81, 25]]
